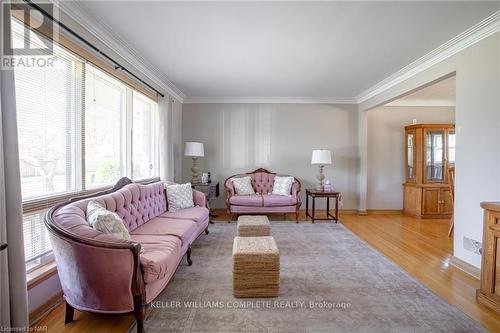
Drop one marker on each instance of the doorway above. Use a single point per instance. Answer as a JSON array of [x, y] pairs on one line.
[[411, 154]]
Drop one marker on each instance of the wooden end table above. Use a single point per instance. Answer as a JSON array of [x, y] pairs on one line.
[[211, 190], [322, 194]]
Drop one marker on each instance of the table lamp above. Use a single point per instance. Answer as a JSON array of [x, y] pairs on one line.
[[321, 157], [194, 150]]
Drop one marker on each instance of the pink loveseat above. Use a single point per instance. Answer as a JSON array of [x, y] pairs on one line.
[[263, 202], [104, 274]]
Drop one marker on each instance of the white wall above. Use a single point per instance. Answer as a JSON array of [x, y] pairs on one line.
[[478, 132], [386, 149], [280, 137], [43, 292]]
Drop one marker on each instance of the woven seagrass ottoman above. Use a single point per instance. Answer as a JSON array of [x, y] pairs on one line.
[[256, 267], [253, 226]]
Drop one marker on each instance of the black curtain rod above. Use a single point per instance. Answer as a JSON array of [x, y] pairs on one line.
[[89, 44]]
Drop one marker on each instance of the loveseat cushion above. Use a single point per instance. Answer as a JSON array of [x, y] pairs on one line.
[[272, 200], [160, 255], [184, 229], [246, 200], [243, 185], [196, 214], [282, 185]]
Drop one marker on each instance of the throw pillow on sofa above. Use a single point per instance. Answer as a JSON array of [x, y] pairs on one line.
[[179, 196], [283, 185], [106, 221], [243, 185]]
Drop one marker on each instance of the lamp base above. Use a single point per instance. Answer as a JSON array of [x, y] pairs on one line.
[[321, 179], [195, 172]]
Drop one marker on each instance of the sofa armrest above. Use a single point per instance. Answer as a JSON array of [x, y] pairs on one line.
[[199, 198], [229, 187], [296, 193], [102, 279]]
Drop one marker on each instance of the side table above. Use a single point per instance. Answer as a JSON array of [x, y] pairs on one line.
[[322, 194], [211, 190]]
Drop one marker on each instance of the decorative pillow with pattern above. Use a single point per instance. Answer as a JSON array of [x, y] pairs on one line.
[[283, 185], [179, 196], [243, 185], [105, 221]]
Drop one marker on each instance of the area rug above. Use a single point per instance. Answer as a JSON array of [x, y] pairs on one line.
[[331, 281]]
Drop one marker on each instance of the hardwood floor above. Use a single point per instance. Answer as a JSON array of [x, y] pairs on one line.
[[421, 247]]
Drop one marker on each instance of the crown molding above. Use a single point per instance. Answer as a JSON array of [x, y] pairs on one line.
[[104, 34], [101, 31], [431, 102], [476, 33], [269, 100]]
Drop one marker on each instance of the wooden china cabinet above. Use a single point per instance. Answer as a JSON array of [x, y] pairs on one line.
[[430, 151]]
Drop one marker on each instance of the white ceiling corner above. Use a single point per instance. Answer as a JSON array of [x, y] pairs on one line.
[[119, 46], [476, 33]]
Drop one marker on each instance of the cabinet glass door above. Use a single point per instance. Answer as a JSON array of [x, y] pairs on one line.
[[434, 155], [410, 156], [451, 148]]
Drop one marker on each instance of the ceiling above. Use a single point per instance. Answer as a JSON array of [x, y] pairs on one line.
[[441, 93], [282, 49]]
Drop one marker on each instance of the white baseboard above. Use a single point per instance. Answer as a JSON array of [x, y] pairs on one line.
[[466, 267]]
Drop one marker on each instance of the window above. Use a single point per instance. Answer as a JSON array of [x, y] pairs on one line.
[[46, 121], [105, 101], [46, 125], [79, 129], [144, 150]]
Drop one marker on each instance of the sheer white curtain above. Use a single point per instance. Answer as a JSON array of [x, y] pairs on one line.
[[13, 294], [165, 138]]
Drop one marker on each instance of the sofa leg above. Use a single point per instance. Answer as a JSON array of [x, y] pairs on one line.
[[140, 315], [70, 311], [206, 231], [188, 253]]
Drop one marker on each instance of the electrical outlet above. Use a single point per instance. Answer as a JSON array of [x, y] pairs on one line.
[[473, 245]]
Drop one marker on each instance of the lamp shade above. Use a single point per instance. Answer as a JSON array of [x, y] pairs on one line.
[[321, 157], [194, 149]]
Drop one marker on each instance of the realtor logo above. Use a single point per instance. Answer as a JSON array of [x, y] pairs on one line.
[[27, 40]]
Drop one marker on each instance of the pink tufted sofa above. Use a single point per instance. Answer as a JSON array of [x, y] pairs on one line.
[[263, 202], [101, 273]]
